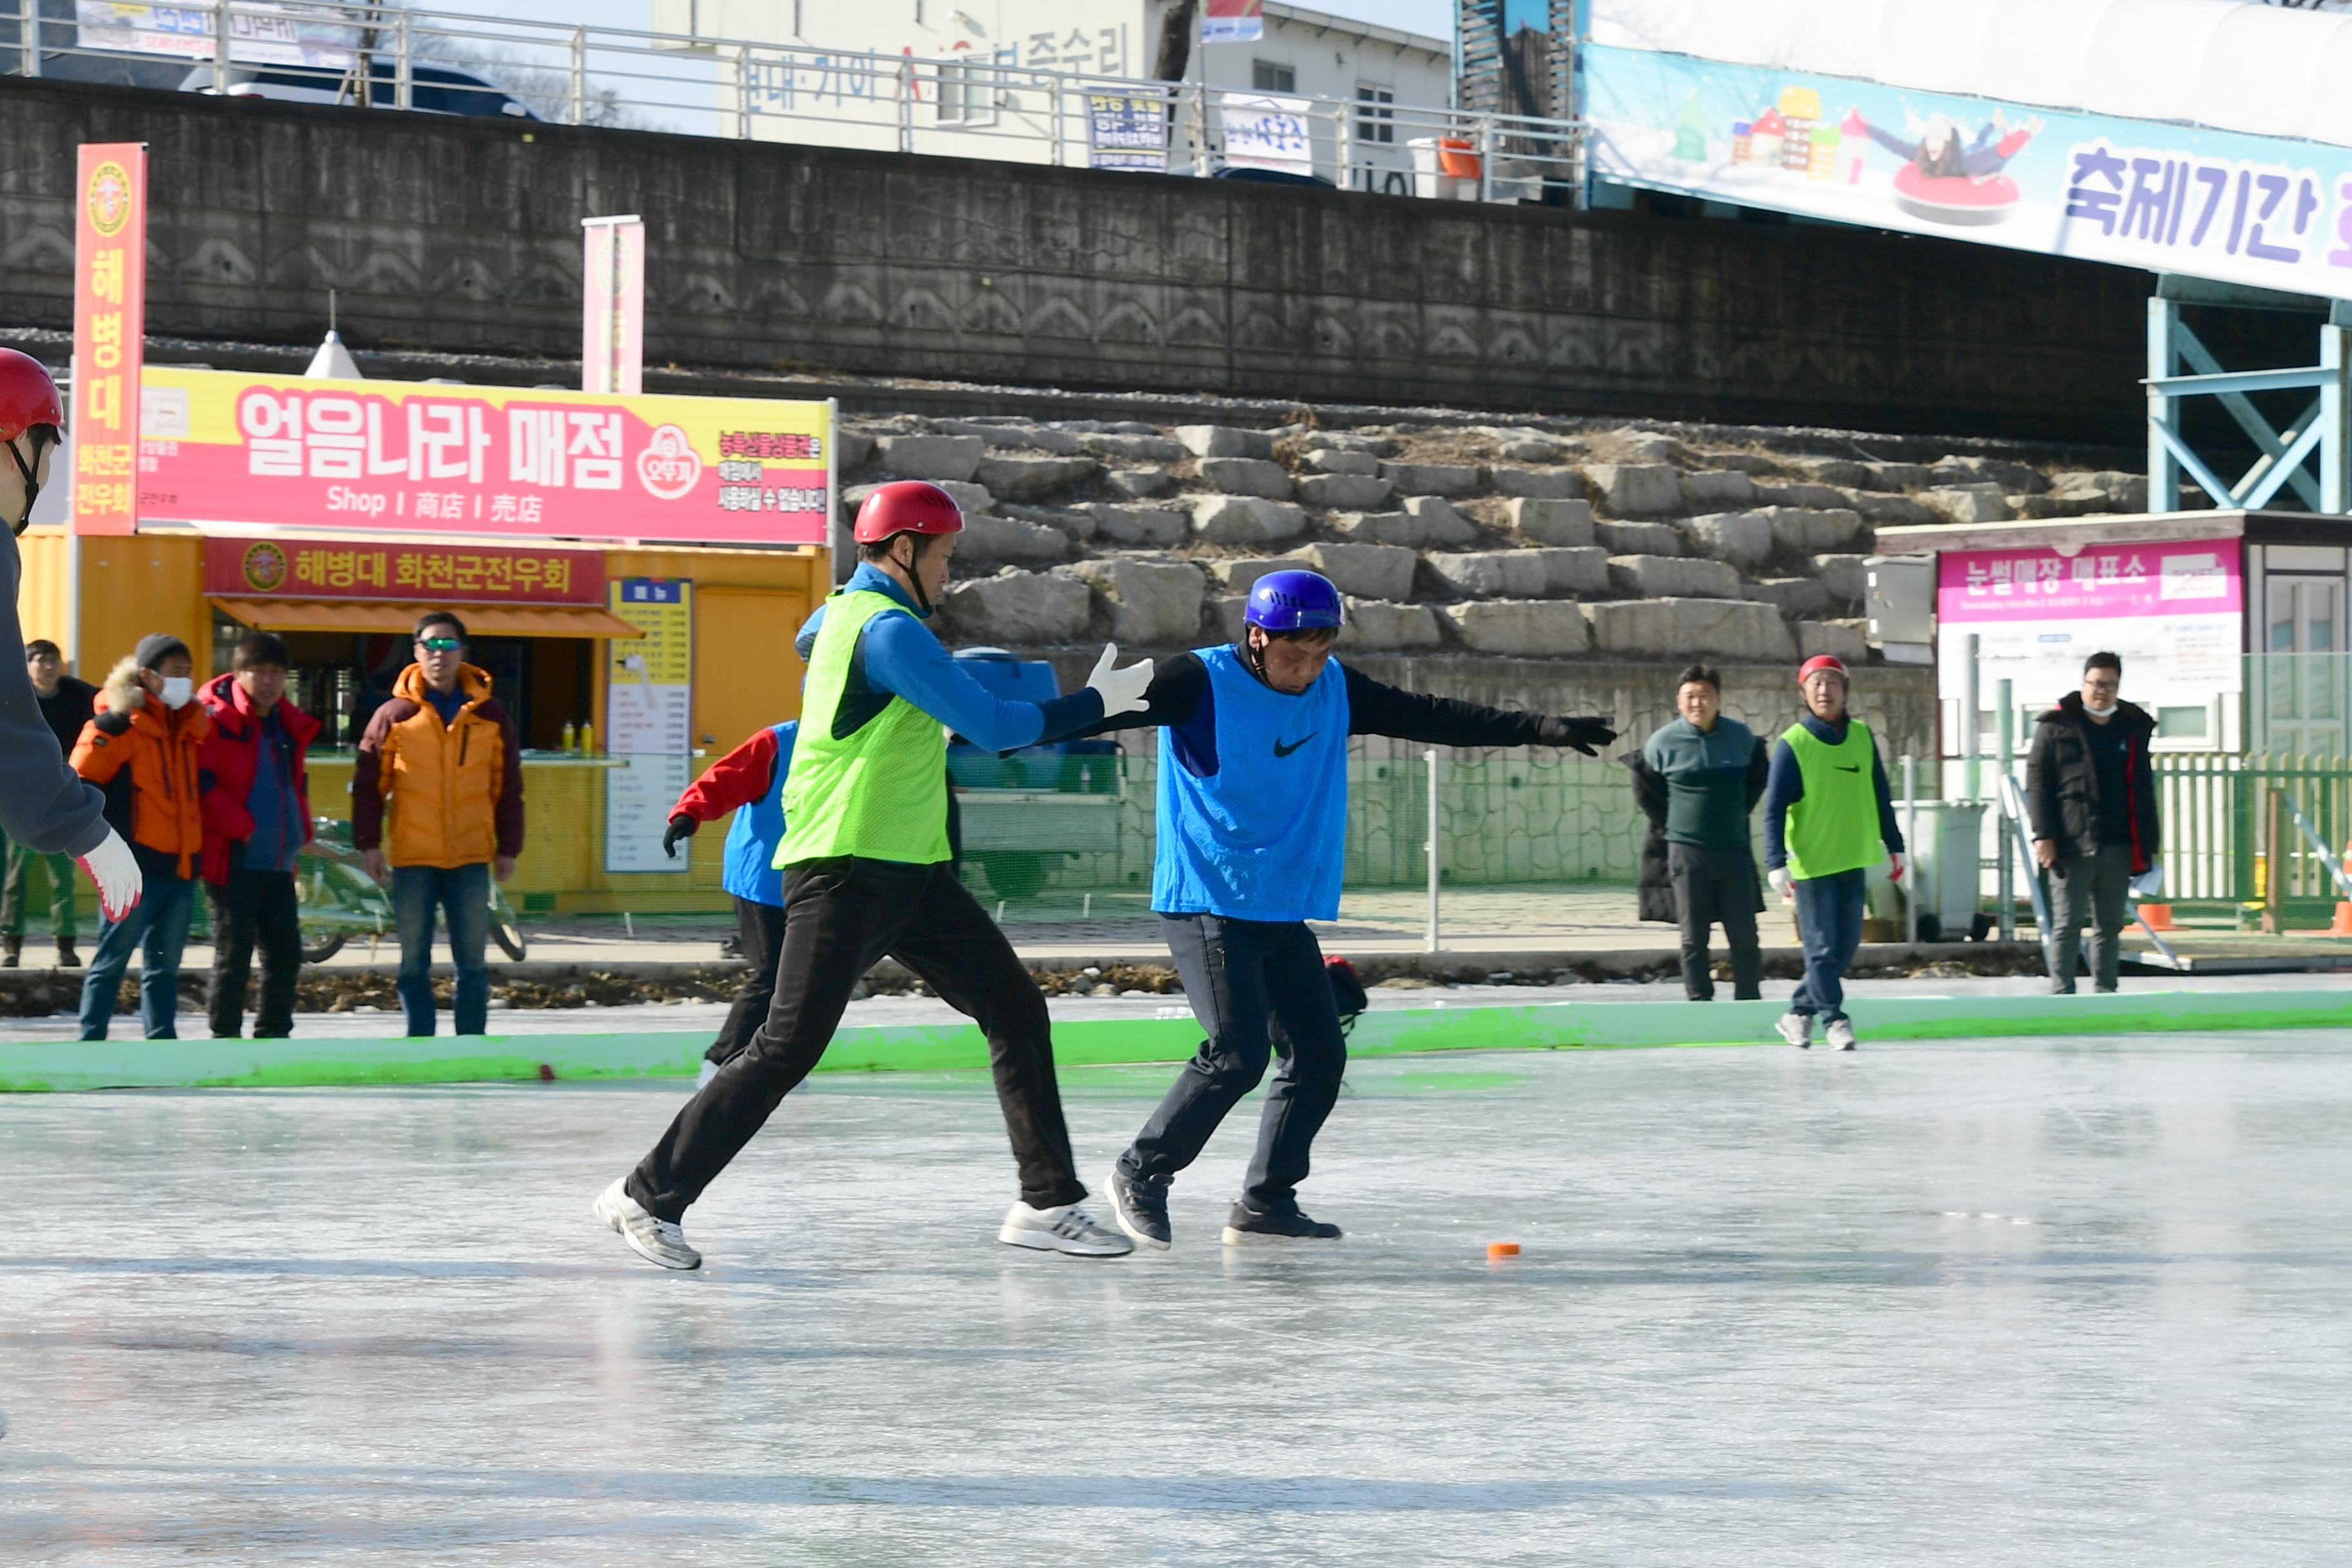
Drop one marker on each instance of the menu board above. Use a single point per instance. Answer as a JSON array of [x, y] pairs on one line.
[[648, 721]]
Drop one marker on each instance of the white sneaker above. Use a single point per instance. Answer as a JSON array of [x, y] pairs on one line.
[[1840, 1034], [1797, 1028], [1068, 1228], [655, 1240]]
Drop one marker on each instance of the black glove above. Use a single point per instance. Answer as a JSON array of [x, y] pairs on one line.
[[680, 826], [1584, 734]]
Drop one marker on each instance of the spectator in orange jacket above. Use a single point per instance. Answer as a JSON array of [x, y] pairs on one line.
[[436, 802], [257, 806], [142, 750]]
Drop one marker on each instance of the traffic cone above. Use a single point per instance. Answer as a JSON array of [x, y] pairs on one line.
[[2158, 917]]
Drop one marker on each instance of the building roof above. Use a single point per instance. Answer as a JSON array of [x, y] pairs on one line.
[[1347, 27], [2066, 535]]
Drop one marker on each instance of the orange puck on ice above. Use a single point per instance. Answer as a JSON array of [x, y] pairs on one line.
[[1501, 1249]]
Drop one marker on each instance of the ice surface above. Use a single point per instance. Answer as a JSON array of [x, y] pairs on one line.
[[2031, 1302]]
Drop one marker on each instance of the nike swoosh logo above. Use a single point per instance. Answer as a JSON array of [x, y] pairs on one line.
[[1849, 767], [1282, 749]]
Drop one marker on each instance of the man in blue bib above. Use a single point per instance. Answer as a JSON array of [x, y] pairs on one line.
[[1252, 812]]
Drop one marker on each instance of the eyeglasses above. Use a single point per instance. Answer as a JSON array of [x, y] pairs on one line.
[[439, 644]]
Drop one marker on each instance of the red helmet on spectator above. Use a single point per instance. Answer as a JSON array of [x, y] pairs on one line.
[[1821, 661], [27, 397], [907, 506]]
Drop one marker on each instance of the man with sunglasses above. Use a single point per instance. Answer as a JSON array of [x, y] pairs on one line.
[[45, 807], [436, 807]]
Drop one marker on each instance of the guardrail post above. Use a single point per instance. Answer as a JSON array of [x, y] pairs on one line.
[[2006, 880], [1911, 841], [1345, 139], [907, 105], [220, 46], [404, 56], [743, 91], [30, 31], [579, 76], [2273, 866], [1434, 847], [1200, 125], [1485, 158], [1061, 154]]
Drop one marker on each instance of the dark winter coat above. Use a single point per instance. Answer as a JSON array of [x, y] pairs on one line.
[[1654, 890], [2062, 782], [1654, 887]]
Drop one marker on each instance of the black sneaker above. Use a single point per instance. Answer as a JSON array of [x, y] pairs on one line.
[[1246, 1224], [1140, 1208]]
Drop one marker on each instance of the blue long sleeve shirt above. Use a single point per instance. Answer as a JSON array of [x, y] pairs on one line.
[[1786, 786], [896, 656]]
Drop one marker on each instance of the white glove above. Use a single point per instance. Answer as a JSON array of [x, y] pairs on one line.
[[116, 871], [1121, 690], [1783, 884], [2149, 883]]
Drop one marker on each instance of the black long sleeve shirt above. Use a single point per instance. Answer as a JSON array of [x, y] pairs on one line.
[[1181, 700]]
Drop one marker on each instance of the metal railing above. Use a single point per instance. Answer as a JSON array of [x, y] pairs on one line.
[[391, 56]]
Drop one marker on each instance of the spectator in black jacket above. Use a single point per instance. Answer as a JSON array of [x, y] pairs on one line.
[[66, 706], [2091, 796]]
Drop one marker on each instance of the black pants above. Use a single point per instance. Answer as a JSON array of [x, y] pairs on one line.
[[254, 907], [1240, 976], [1715, 886], [841, 916], [761, 929]]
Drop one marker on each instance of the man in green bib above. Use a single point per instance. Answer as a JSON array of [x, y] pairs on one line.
[[1829, 816], [867, 873]]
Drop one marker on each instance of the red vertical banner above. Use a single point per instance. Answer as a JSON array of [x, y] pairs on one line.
[[612, 315], [109, 334]]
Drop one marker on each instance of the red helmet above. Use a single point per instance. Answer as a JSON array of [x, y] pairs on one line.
[[908, 506], [28, 396], [1821, 661]]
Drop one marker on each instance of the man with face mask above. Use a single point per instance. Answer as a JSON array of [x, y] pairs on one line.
[[143, 749], [44, 808]]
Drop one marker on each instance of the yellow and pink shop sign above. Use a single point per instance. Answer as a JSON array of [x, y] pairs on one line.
[[226, 448]]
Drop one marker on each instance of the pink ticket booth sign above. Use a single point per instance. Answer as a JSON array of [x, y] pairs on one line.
[[2098, 582]]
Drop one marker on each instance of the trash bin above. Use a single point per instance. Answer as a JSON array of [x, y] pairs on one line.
[[1945, 867]]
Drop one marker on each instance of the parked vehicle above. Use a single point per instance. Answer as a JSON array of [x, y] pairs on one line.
[[432, 89]]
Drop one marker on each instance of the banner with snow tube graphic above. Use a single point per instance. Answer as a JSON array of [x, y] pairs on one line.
[[228, 448], [2269, 211]]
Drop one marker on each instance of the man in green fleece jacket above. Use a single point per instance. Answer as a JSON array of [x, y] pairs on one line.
[[1714, 773]]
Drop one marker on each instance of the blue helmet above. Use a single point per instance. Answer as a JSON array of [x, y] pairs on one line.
[[1293, 600]]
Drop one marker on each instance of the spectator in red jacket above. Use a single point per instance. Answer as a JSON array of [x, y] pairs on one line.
[[257, 810], [749, 782]]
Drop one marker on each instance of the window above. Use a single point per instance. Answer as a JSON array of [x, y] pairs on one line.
[[967, 93], [1267, 76], [1375, 113]]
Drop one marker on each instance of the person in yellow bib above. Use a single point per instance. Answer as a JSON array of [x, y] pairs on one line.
[[867, 872], [1829, 816]]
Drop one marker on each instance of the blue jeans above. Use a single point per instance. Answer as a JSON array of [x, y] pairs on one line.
[[1828, 922], [157, 929], [462, 894]]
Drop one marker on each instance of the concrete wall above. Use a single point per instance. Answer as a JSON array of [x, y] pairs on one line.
[[464, 236]]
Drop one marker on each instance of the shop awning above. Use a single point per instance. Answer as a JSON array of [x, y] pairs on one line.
[[383, 616]]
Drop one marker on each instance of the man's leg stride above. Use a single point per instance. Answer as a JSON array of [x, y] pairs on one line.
[[963, 955], [1312, 1057]]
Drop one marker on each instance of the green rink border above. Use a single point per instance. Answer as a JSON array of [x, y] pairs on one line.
[[312, 1063]]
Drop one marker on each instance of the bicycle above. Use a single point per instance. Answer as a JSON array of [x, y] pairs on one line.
[[338, 899]]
